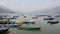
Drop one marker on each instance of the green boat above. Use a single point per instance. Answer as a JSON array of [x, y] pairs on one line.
[[29, 27]]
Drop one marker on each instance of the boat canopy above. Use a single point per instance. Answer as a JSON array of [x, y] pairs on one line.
[[19, 21]]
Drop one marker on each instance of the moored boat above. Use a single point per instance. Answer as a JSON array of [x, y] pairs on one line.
[[3, 30], [49, 18], [53, 22], [29, 22], [29, 27], [11, 25], [35, 17]]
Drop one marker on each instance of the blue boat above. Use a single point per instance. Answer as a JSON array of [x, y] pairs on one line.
[[11, 25]]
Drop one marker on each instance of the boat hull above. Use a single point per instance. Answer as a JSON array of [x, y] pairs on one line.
[[3, 30], [21, 28], [48, 18], [11, 25]]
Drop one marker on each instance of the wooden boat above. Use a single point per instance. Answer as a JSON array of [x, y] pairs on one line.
[[0, 25], [1, 18], [4, 22], [57, 16], [29, 22], [19, 21], [53, 22], [1, 21], [11, 25], [3, 30], [34, 17], [24, 16], [29, 27], [50, 18]]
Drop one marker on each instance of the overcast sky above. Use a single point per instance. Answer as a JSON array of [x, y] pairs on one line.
[[29, 5]]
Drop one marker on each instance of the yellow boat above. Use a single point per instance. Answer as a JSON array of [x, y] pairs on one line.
[[2, 20], [19, 21]]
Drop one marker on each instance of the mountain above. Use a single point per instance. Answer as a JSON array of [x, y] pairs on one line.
[[5, 10], [55, 10], [49, 11]]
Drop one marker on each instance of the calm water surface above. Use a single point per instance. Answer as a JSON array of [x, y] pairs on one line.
[[46, 28]]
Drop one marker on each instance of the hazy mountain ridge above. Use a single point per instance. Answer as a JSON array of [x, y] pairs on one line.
[[5, 10], [55, 10]]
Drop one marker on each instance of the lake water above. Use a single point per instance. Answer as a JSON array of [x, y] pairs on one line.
[[46, 28]]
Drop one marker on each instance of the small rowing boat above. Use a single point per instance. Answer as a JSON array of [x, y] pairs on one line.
[[29, 27], [3, 30]]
